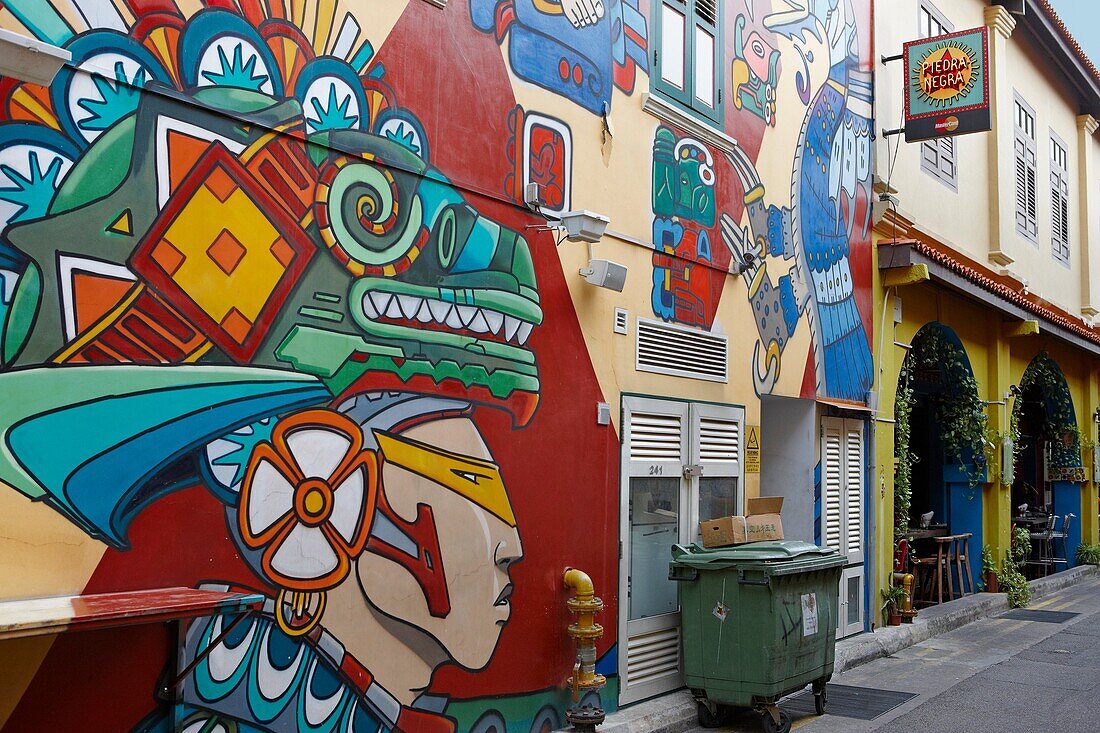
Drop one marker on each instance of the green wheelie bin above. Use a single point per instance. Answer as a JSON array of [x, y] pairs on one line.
[[758, 623]]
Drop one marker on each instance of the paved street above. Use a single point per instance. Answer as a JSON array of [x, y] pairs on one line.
[[998, 674]]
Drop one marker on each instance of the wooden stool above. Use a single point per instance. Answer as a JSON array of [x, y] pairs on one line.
[[930, 571], [962, 560]]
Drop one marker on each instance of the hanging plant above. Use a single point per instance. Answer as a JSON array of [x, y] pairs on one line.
[[903, 466], [958, 409], [1060, 428]]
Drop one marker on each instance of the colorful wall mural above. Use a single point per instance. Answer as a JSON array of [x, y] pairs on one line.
[[275, 318]]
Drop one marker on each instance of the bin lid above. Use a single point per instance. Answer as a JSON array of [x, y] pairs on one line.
[[753, 552]]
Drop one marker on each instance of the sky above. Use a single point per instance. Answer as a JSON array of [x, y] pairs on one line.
[[1082, 17]]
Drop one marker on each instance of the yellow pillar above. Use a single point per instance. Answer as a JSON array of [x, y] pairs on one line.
[[1089, 491], [997, 507], [888, 361]]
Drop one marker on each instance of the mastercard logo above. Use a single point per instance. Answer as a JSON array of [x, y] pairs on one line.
[[947, 124]]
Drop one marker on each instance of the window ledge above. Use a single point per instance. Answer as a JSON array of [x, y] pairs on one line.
[[672, 114]]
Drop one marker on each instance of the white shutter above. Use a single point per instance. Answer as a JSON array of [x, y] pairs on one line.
[[853, 462], [719, 440], [832, 471], [1059, 202], [655, 437], [1026, 171]]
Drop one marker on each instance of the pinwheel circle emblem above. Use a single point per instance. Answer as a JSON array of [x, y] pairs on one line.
[[308, 498]]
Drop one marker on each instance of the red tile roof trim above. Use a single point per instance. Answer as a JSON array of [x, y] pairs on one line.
[[998, 285], [1069, 39]]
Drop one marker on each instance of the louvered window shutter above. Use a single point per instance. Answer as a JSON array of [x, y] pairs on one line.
[[655, 437], [719, 440], [705, 57], [853, 463], [832, 448], [947, 158], [1059, 202], [1026, 172]]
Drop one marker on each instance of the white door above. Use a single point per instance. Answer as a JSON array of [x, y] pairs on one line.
[[842, 472], [681, 464]]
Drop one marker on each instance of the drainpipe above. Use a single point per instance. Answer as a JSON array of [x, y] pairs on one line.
[[584, 632]]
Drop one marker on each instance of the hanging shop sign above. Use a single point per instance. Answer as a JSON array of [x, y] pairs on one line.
[[947, 85]]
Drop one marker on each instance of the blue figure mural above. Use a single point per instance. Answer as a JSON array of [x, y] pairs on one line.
[[814, 231], [579, 49]]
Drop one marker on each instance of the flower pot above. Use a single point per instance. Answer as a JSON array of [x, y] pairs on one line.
[[991, 585], [908, 616], [894, 619]]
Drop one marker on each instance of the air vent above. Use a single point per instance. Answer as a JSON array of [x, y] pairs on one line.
[[719, 440], [652, 656], [654, 437], [681, 352], [707, 11], [622, 321]]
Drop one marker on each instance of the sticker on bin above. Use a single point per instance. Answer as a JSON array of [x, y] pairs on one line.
[[721, 610], [809, 614]]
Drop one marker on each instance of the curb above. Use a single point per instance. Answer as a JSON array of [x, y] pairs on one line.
[[675, 712]]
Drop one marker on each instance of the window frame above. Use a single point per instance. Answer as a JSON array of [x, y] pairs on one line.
[[686, 98], [1059, 194], [934, 152], [1024, 136]]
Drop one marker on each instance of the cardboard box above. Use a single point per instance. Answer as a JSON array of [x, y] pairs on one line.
[[763, 522]]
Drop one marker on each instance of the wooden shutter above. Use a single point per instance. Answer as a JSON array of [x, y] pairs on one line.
[[1059, 202], [1026, 172], [853, 464], [672, 49], [832, 473]]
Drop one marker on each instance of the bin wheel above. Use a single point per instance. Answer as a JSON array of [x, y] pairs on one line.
[[769, 725], [708, 717], [821, 699]]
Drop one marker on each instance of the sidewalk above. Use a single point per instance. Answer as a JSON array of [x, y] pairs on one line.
[[675, 712]]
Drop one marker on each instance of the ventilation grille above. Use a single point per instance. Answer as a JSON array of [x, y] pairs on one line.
[[681, 352], [652, 656], [621, 324], [707, 11], [719, 440], [654, 437]]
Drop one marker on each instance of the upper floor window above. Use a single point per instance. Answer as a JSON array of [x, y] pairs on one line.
[[687, 55], [1024, 148], [937, 156], [1059, 201]]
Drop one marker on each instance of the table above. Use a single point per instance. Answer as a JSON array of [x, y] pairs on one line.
[[1032, 522], [35, 616], [936, 530]]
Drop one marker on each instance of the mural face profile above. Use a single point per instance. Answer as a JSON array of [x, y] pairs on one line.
[[227, 259]]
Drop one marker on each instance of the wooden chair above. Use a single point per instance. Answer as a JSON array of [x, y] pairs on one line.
[[930, 572], [962, 563]]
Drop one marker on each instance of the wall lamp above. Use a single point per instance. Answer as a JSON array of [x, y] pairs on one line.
[[581, 226], [30, 60]]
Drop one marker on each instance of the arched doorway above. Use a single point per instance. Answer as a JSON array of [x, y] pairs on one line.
[[939, 438], [1047, 471]]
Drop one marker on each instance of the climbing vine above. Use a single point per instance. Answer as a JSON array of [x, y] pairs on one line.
[[1060, 428], [903, 467]]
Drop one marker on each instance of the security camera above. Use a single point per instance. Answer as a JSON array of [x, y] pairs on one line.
[[740, 267]]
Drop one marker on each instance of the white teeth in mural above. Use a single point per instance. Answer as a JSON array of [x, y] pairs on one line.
[[478, 324], [439, 309], [453, 319], [394, 311], [453, 315], [524, 331], [466, 313], [493, 319], [409, 305], [511, 325]]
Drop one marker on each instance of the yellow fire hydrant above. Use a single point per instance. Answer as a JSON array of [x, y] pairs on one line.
[[584, 632]]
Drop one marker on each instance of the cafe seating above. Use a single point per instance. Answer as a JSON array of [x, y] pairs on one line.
[[952, 559], [1062, 535], [1042, 542]]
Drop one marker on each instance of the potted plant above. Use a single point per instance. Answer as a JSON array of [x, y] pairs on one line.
[[989, 570], [894, 598]]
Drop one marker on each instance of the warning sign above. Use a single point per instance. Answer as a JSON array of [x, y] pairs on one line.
[[752, 450]]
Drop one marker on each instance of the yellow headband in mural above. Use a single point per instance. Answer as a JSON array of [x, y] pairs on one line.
[[477, 480]]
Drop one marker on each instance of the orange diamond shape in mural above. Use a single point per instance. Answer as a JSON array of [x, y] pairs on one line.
[[225, 253]]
